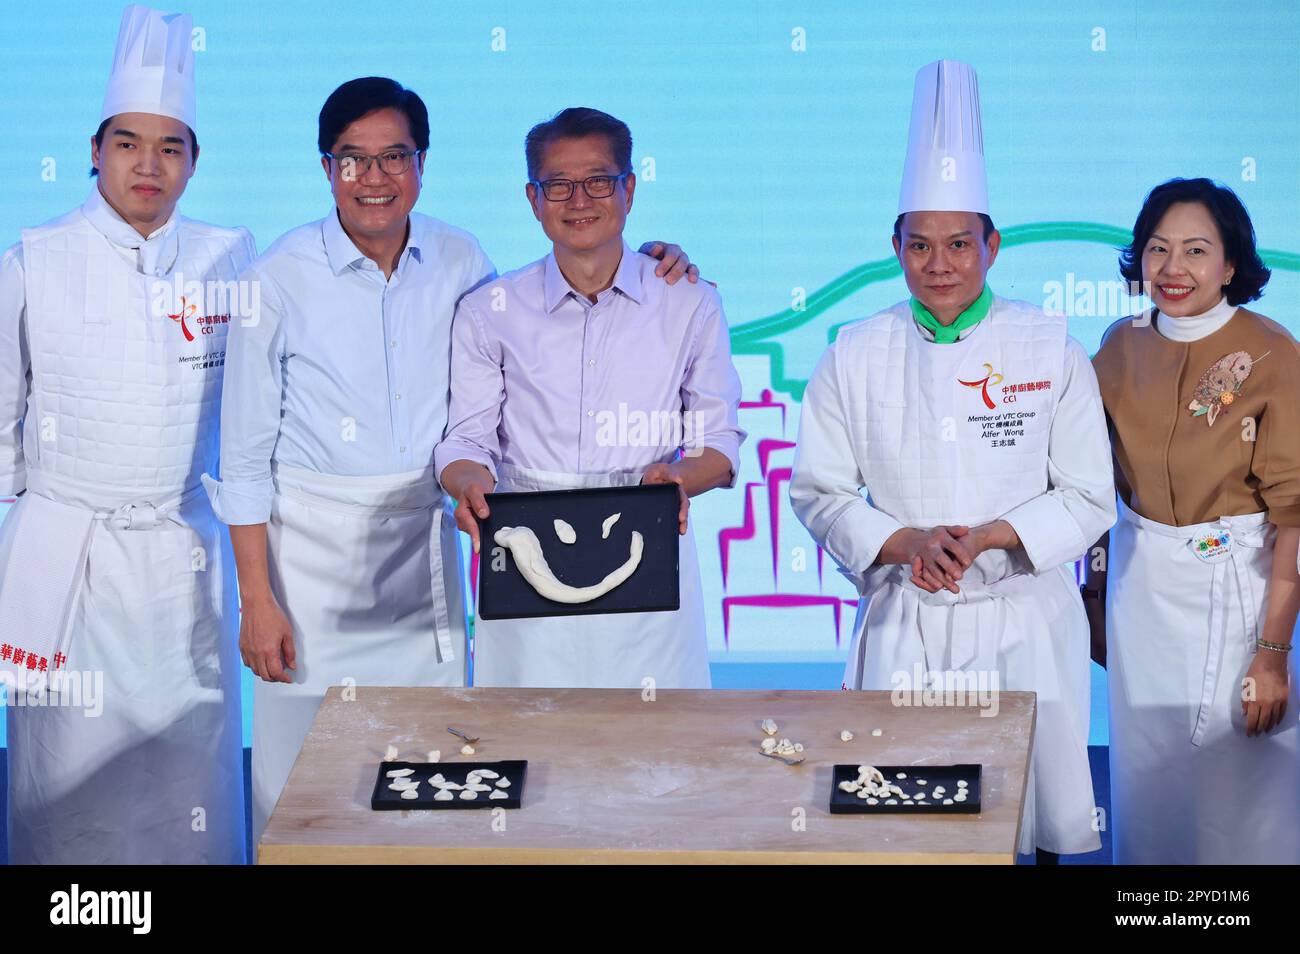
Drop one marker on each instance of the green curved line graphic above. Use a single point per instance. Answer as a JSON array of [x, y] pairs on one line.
[[754, 337]]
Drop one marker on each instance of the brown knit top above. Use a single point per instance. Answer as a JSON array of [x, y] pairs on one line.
[[1208, 428]]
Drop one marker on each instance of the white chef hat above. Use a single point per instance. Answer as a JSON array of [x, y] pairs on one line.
[[944, 170], [153, 66]]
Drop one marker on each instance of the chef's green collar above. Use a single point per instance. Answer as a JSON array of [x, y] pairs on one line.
[[947, 334]]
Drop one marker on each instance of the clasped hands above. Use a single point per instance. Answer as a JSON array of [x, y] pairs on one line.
[[938, 557]]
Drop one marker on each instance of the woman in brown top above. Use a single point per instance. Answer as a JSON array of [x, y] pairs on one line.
[[1198, 608]]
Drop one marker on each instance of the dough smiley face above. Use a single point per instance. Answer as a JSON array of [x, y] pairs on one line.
[[523, 543]]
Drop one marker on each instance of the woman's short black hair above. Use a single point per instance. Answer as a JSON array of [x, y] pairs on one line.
[[358, 97], [103, 128], [575, 123], [1250, 274]]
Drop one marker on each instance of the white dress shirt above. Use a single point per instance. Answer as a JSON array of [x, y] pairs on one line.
[[344, 372]]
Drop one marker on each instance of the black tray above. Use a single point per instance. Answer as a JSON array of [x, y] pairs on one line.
[[652, 510], [385, 799], [848, 803]]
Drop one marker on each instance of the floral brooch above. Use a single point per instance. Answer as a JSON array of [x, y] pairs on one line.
[[1220, 384]]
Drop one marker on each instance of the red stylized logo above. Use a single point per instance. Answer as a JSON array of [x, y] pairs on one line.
[[187, 311], [990, 377]]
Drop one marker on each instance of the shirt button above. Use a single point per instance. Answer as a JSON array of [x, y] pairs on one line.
[[402, 448], [591, 413], [591, 363], [392, 344], [397, 397]]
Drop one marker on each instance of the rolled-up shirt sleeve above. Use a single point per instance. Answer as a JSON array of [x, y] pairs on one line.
[[826, 484], [252, 397], [711, 389], [477, 390], [1059, 525], [15, 369]]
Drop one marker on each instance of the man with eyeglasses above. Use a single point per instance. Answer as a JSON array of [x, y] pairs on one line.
[[349, 570], [546, 361]]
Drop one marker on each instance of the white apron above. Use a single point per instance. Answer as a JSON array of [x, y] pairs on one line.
[[601, 651], [121, 420], [367, 569], [1031, 632], [1187, 785], [141, 763], [1027, 630]]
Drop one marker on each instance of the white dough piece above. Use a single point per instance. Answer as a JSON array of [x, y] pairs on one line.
[[498, 793], [399, 787], [848, 786], [434, 755], [435, 779], [449, 786], [564, 531], [769, 727], [473, 776], [391, 754], [873, 801], [503, 783], [400, 773], [961, 784], [901, 775], [939, 790], [892, 801], [846, 735], [411, 793], [444, 795], [947, 801], [877, 733], [921, 781], [467, 749], [960, 796], [468, 795], [798, 746], [608, 524], [527, 550], [768, 744], [478, 787], [486, 773]]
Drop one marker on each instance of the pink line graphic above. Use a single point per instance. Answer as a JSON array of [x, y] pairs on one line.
[[765, 400]]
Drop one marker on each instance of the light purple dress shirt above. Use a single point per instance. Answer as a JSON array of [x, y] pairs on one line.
[[543, 379]]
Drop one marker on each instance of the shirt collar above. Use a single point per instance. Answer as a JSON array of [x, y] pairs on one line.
[[627, 280], [158, 250], [341, 252], [965, 323]]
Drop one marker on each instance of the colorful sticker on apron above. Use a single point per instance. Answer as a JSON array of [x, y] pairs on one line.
[[1220, 384], [1212, 547]]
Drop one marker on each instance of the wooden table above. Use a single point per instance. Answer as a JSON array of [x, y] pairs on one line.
[[614, 778]]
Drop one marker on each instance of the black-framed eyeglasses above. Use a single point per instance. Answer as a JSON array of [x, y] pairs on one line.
[[561, 190], [354, 165]]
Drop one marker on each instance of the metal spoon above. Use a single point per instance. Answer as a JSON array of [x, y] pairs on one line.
[[780, 758], [462, 735]]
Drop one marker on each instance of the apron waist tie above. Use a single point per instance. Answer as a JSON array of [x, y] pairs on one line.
[[1219, 618], [137, 509], [971, 609]]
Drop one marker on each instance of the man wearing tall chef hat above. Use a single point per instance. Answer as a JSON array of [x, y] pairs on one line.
[[975, 427], [117, 609]]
